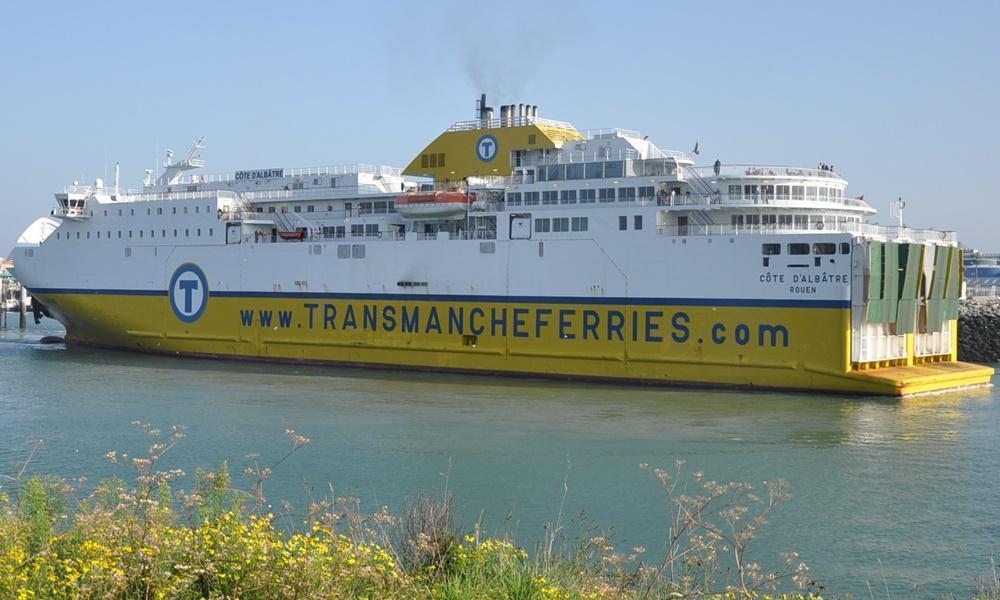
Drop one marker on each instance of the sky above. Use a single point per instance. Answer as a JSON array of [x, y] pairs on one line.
[[901, 97]]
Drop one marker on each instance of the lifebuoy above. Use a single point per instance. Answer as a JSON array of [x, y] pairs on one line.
[[819, 225]]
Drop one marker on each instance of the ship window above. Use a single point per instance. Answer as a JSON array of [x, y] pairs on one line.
[[152, 233], [109, 234], [530, 198], [622, 223], [541, 225], [811, 192], [514, 198], [371, 229], [614, 168], [567, 197], [554, 172], [735, 192], [175, 210], [199, 232], [823, 193], [364, 208], [769, 219], [357, 251], [580, 224], [784, 219], [798, 249], [163, 233], [574, 171], [105, 213], [783, 191], [185, 210], [646, 192], [77, 235], [175, 233], [798, 192], [344, 251], [770, 249], [626, 194], [532, 139], [750, 192], [149, 211], [607, 194], [801, 221], [187, 233], [58, 235], [550, 197], [196, 208], [129, 233], [119, 234], [381, 208], [140, 233], [132, 211], [98, 235], [638, 222], [270, 209], [433, 158], [159, 210], [297, 208], [588, 196], [594, 170], [357, 230], [424, 163], [119, 212], [441, 159], [560, 224], [391, 206], [824, 248], [845, 248], [767, 192]]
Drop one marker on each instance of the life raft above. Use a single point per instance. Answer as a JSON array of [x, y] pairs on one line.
[[434, 205]]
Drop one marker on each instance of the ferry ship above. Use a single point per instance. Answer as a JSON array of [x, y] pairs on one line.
[[512, 245]]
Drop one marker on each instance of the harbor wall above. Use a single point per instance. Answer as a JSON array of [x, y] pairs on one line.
[[979, 330]]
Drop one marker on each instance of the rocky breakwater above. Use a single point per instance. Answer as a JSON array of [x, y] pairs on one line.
[[979, 331]]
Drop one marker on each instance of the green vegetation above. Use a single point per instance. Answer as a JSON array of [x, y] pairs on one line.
[[144, 540]]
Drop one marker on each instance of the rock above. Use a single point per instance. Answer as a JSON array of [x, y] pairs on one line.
[[979, 331]]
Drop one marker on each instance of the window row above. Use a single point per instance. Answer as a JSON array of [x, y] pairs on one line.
[[802, 249], [131, 234], [159, 210], [584, 196], [363, 208], [562, 224], [652, 167], [785, 192], [791, 221]]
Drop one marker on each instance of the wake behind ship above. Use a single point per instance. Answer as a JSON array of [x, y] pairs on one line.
[[512, 245]]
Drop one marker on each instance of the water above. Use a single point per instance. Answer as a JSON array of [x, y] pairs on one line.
[[907, 489]]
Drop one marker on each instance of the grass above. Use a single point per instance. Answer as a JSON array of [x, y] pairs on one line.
[[143, 539]]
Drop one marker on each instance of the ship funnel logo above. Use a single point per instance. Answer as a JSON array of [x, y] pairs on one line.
[[188, 292], [487, 148]]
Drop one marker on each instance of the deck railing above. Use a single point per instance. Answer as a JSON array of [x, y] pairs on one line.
[[864, 229]]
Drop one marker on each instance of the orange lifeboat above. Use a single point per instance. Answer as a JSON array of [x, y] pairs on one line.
[[449, 204]]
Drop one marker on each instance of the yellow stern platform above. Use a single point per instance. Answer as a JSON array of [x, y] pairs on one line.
[[919, 379]]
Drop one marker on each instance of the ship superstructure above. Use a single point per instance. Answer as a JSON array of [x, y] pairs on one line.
[[513, 244]]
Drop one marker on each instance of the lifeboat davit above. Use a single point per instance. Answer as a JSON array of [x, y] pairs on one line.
[[451, 204]]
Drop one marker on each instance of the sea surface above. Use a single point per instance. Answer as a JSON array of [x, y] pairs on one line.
[[890, 494]]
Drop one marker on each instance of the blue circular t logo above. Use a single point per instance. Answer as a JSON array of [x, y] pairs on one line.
[[487, 148], [188, 292]]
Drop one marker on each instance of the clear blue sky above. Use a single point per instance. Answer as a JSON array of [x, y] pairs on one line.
[[902, 98]]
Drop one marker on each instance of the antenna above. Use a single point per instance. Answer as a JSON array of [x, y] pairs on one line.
[[896, 210]]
